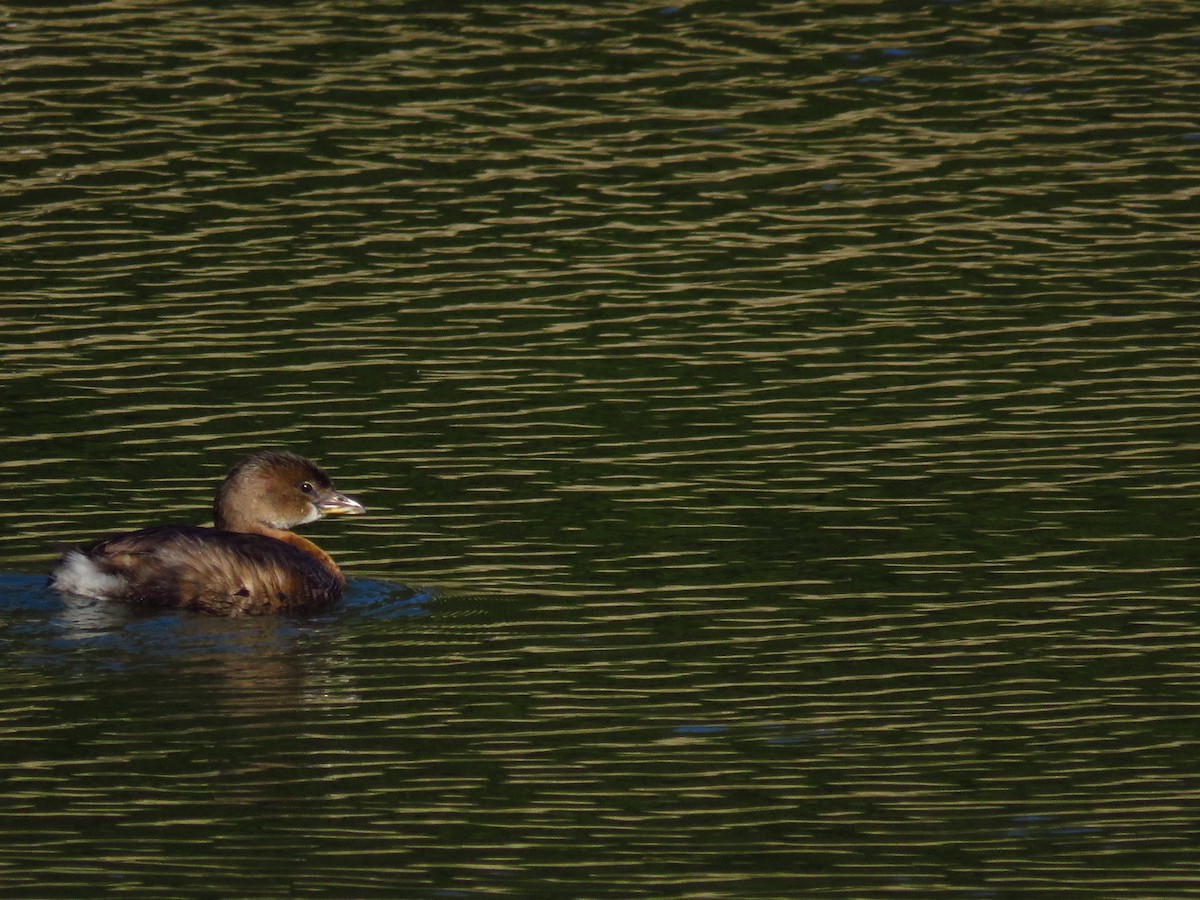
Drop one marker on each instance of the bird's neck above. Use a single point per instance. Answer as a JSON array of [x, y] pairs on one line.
[[304, 545]]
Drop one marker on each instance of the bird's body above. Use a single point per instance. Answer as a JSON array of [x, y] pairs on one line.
[[250, 563]]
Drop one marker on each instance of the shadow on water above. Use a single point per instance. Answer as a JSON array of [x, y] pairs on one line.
[[45, 628]]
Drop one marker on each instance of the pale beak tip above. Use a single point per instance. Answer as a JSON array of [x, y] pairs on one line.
[[341, 505]]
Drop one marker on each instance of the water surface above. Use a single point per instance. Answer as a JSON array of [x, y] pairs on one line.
[[777, 425]]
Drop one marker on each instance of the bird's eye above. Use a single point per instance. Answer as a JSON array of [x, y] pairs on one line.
[[307, 488]]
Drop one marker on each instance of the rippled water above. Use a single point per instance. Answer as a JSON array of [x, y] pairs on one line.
[[778, 426]]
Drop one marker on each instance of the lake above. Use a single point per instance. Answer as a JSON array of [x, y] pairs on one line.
[[777, 424]]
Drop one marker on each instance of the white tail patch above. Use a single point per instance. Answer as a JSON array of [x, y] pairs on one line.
[[78, 574]]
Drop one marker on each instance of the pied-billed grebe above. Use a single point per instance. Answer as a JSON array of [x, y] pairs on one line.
[[249, 564]]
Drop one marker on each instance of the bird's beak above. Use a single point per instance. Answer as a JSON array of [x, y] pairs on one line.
[[340, 505]]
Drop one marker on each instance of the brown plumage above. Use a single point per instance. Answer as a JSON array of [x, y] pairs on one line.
[[250, 563]]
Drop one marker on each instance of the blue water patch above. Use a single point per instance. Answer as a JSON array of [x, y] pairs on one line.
[[24, 592], [700, 729], [1039, 825], [384, 600], [787, 738]]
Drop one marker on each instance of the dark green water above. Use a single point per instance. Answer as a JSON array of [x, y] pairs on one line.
[[778, 424]]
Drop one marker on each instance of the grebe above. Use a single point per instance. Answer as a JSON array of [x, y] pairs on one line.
[[249, 564]]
